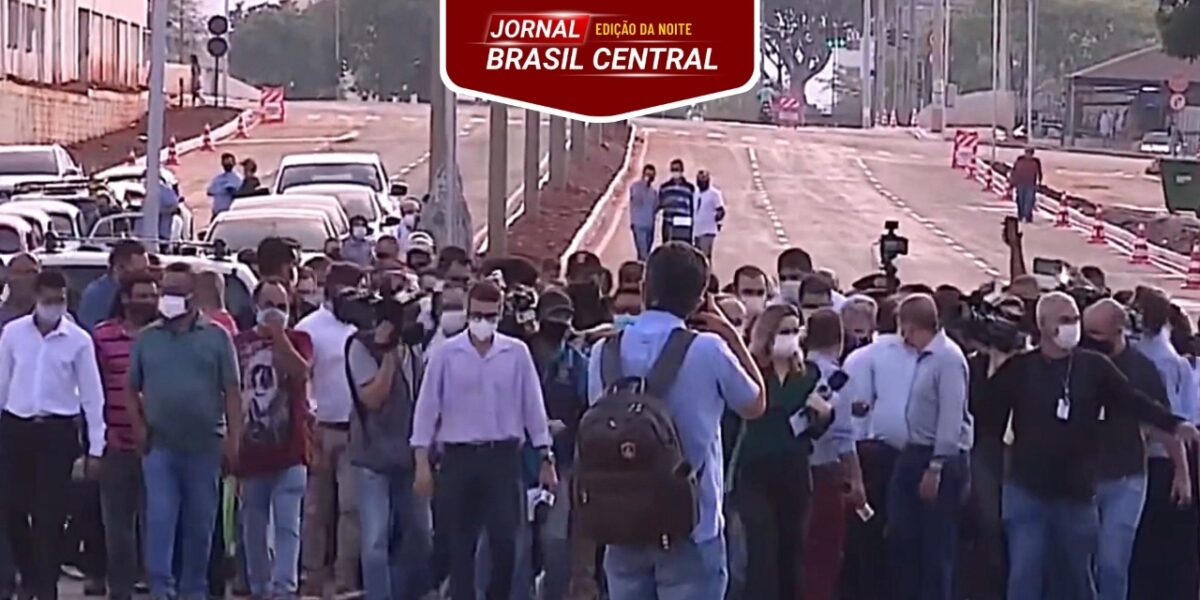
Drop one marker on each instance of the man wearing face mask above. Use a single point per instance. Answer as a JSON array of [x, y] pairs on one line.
[[271, 467], [677, 201], [121, 488], [49, 379], [1055, 395], [452, 320], [386, 368], [99, 297], [858, 320], [223, 188], [481, 399], [359, 248], [183, 373], [643, 208], [751, 286], [709, 213], [583, 286], [410, 217], [19, 277]]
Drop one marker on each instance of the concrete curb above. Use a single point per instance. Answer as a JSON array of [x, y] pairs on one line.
[[602, 202], [221, 132]]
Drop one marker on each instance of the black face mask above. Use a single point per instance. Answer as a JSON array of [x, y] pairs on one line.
[[583, 290], [413, 334], [703, 185], [1102, 346], [552, 332]]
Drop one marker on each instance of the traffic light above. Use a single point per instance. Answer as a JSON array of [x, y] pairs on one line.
[[835, 42]]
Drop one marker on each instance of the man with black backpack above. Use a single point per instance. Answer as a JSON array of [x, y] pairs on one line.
[[649, 474]]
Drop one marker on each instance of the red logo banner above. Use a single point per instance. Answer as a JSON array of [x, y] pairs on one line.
[[600, 60]]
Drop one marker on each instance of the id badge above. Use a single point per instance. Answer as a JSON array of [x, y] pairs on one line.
[[799, 423], [1063, 412]]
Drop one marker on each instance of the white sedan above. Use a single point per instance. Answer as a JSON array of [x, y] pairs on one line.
[[241, 229]]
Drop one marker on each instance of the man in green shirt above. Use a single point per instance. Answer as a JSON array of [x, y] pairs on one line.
[[183, 372]]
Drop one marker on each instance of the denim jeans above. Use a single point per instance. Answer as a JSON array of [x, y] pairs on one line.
[[181, 490], [1051, 544], [923, 536], [1119, 503], [643, 241], [1026, 197], [736, 553], [272, 502], [397, 538], [688, 571]]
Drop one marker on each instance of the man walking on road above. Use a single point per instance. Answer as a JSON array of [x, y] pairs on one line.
[[643, 206], [709, 213], [677, 199], [225, 185], [1025, 178]]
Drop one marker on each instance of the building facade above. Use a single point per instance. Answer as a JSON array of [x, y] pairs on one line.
[[92, 43]]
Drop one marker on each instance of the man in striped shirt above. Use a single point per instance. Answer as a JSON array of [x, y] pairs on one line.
[[121, 476], [677, 200]]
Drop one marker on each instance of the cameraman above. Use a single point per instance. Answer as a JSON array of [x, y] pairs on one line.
[[386, 370]]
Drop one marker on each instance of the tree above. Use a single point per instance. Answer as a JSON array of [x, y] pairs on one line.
[[185, 29], [796, 35], [283, 46], [1179, 27]]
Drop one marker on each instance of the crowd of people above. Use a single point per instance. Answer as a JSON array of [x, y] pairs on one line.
[[407, 422]]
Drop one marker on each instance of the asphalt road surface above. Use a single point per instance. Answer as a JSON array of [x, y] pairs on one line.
[[398, 132], [829, 191]]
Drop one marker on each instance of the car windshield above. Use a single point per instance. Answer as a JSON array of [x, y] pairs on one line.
[[359, 205], [31, 162], [331, 173], [241, 234], [62, 224], [10, 241], [1156, 137]]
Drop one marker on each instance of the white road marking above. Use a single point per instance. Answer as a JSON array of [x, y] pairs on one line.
[[780, 233], [315, 117], [713, 135], [749, 139], [373, 117]]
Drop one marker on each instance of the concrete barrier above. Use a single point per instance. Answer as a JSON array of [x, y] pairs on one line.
[[35, 115]]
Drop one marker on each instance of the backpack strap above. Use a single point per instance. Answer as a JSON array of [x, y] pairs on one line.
[[666, 367], [611, 371]]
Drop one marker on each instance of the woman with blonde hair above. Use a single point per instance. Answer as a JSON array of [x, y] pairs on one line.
[[769, 472]]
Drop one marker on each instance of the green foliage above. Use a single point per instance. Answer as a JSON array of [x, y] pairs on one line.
[[385, 47], [799, 34], [1179, 27]]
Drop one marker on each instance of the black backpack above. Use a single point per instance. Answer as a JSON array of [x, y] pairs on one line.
[[632, 484]]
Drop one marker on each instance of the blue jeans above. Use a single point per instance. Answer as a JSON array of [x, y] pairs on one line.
[[397, 538], [643, 241], [922, 536], [1119, 502], [273, 499], [735, 548], [1026, 202], [181, 490], [689, 571], [1051, 543]]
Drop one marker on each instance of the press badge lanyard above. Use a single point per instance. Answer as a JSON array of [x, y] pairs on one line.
[[1063, 412]]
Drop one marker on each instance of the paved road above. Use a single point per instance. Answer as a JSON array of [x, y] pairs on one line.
[[829, 191], [398, 132]]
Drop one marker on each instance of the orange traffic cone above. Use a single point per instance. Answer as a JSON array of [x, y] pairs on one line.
[[241, 127], [172, 154], [131, 158], [1141, 248], [1099, 236], [1192, 282], [206, 142], [1064, 214]]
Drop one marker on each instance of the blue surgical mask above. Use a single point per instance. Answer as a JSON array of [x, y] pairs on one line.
[[623, 320]]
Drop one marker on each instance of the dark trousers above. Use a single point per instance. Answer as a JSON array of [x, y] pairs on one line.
[[1165, 562], [85, 531], [866, 556], [982, 572], [8, 575], [772, 497], [825, 544], [37, 476], [122, 502], [922, 535], [482, 491]]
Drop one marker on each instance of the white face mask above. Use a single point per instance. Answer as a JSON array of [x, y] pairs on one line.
[[790, 291], [266, 315], [1067, 336], [453, 321], [482, 329], [755, 305], [409, 221], [172, 306], [358, 231], [786, 346], [50, 313]]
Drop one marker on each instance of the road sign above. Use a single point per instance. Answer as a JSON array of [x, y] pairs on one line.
[[1178, 83], [1178, 102]]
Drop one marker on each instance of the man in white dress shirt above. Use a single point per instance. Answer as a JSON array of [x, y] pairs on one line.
[[48, 377], [710, 213]]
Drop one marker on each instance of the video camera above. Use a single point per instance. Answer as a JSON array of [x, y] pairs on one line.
[[891, 246], [994, 322], [365, 310]]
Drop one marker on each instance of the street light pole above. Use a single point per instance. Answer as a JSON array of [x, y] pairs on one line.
[[995, 72], [154, 120], [1030, 67], [337, 44]]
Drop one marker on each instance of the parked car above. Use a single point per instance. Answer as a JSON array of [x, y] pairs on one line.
[[17, 235], [129, 224], [357, 200], [66, 219], [241, 229], [326, 204], [355, 168], [1156, 142], [48, 162], [37, 218]]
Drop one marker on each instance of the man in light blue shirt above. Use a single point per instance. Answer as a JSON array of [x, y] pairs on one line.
[[225, 185], [717, 373], [643, 208]]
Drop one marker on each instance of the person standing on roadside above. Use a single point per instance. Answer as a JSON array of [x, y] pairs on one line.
[[1025, 178], [643, 208], [359, 248], [224, 187], [677, 201], [49, 380], [250, 182], [183, 374], [710, 213], [121, 484], [98, 300], [276, 440]]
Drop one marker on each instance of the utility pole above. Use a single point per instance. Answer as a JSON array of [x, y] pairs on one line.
[[578, 145], [996, 4], [533, 160], [868, 66], [1030, 67], [498, 180], [898, 70], [881, 70], [1004, 60], [558, 152], [911, 92], [154, 121], [937, 67], [437, 108]]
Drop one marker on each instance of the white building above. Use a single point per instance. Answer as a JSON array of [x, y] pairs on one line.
[[97, 43]]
